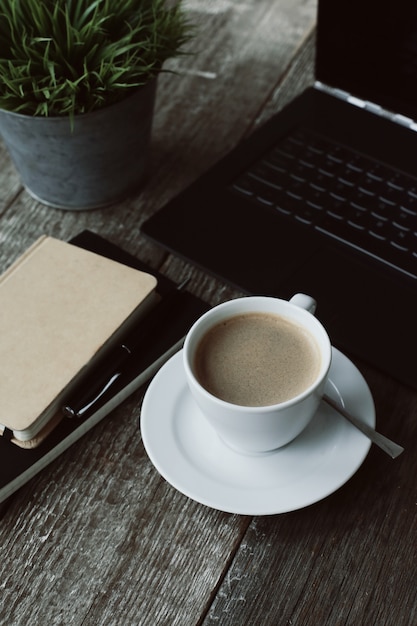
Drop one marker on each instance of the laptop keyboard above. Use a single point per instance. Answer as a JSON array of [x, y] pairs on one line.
[[341, 194]]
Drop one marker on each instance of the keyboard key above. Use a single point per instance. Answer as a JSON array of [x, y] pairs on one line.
[[337, 207], [329, 166], [358, 218], [316, 198], [245, 184], [371, 186], [322, 180], [302, 171], [296, 186], [278, 161], [410, 204], [341, 188], [405, 220], [350, 176], [307, 215], [403, 239], [263, 171], [289, 148], [380, 229], [358, 163], [383, 209], [393, 195]]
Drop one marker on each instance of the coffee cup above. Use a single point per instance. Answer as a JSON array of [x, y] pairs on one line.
[[257, 367]]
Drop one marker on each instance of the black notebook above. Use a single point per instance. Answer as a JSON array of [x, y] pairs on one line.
[[323, 198], [19, 465]]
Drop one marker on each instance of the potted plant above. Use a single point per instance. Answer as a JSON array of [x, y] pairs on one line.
[[77, 90]]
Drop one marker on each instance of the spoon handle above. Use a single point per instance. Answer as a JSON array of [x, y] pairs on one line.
[[382, 442]]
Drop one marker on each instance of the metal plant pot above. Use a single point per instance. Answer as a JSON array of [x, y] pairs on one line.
[[99, 160]]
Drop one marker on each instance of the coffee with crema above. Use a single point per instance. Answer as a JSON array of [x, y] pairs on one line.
[[257, 359]]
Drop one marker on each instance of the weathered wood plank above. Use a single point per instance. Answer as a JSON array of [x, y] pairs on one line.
[[100, 538], [10, 185]]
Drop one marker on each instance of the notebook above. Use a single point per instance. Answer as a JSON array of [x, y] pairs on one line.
[[292, 207], [61, 308]]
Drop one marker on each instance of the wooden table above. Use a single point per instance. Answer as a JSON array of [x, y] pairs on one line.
[[99, 537]]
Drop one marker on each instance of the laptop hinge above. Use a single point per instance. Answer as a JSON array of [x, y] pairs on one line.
[[369, 106]]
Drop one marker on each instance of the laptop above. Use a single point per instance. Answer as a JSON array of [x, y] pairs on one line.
[[323, 198]]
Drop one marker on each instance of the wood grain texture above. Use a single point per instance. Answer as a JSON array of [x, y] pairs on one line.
[[99, 538]]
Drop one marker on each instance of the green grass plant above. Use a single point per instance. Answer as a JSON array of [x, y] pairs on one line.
[[67, 57]]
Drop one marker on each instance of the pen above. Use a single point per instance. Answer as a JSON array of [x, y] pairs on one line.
[[98, 384]]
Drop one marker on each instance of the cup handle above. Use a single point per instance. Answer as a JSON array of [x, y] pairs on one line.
[[304, 302]]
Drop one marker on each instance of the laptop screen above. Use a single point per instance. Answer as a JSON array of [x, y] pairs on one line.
[[369, 49]]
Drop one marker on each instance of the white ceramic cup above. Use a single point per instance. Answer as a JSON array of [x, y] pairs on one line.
[[250, 429]]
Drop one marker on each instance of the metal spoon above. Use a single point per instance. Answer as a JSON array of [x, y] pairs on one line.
[[388, 446]]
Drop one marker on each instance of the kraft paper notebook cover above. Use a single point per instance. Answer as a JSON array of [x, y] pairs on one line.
[[18, 466], [61, 307]]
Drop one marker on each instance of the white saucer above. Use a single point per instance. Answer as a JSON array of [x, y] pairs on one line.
[[187, 452]]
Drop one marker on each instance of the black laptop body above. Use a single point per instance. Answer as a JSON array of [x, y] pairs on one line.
[[361, 108]]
